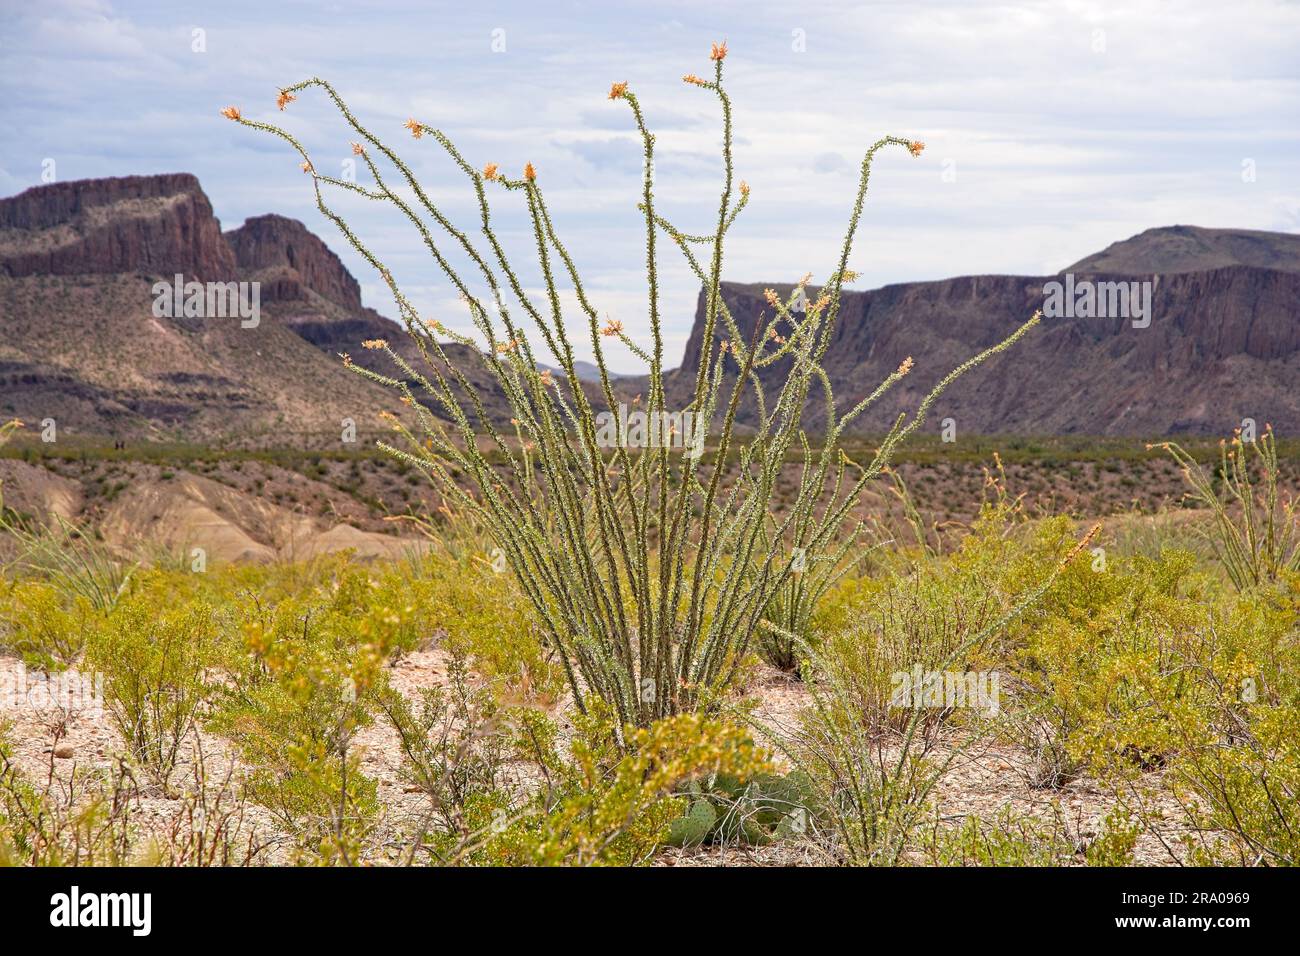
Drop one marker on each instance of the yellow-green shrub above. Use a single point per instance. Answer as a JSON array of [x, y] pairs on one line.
[[44, 625], [296, 695], [483, 616], [154, 658], [611, 800]]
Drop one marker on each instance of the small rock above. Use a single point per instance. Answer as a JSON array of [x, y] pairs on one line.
[[65, 751]]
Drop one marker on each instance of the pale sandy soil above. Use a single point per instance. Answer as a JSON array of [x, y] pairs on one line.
[[173, 511], [981, 781]]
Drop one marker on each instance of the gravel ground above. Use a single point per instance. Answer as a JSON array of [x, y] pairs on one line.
[[982, 780]]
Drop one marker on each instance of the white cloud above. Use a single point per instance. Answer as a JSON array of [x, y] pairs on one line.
[[1069, 124]]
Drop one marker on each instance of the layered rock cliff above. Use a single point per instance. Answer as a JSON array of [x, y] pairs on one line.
[[156, 224], [80, 342], [1223, 344]]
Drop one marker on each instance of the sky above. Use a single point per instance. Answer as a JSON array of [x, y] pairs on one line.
[[1052, 128]]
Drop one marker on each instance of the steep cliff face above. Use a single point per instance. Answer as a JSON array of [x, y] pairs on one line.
[[1223, 344], [308, 290], [152, 224], [79, 341], [290, 260]]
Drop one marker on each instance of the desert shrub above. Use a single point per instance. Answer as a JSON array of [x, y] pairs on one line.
[[645, 573], [874, 759], [43, 624], [1243, 800], [1214, 705], [1149, 666], [153, 659], [1254, 531], [844, 604], [82, 821], [294, 699], [601, 798], [1062, 676], [482, 615], [1014, 839], [88, 818], [211, 824], [940, 613], [1123, 650], [455, 744], [303, 678], [1114, 844], [613, 798], [874, 790]]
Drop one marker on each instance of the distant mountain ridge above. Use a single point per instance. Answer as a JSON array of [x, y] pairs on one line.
[[1172, 249], [80, 344], [160, 224], [78, 262], [1223, 345]]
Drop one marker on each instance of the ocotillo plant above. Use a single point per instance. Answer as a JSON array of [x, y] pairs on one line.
[[1254, 532], [649, 574]]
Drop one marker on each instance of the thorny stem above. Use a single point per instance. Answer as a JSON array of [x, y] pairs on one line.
[[650, 574]]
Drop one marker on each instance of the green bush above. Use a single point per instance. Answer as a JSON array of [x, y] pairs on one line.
[[44, 624], [303, 685], [612, 798], [649, 577], [154, 660]]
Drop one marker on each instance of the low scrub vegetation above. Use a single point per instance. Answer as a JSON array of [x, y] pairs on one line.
[[617, 655], [409, 713]]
